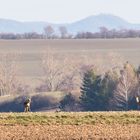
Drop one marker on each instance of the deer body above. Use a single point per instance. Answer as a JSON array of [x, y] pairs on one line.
[[27, 104]]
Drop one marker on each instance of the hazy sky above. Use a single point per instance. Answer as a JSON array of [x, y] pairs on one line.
[[58, 11]]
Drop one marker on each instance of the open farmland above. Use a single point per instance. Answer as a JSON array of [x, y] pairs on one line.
[[82, 126], [30, 52]]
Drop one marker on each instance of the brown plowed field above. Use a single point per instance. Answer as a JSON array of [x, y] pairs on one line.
[[70, 132], [70, 126]]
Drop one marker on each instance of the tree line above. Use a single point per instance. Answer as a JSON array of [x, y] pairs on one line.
[[62, 33], [113, 89]]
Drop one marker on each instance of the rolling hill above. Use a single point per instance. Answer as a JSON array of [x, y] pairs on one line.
[[91, 23]]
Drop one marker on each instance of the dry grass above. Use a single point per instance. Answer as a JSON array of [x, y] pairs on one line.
[[31, 52], [82, 125]]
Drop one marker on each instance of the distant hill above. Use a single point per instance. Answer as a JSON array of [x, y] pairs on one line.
[[91, 24]]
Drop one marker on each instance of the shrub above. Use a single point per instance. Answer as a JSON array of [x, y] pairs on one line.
[[69, 103]]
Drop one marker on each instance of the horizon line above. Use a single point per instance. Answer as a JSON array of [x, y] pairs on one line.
[[49, 22]]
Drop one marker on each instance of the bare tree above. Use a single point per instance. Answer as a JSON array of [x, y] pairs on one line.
[[63, 31], [48, 30], [9, 81], [60, 73], [104, 32], [125, 87], [137, 97]]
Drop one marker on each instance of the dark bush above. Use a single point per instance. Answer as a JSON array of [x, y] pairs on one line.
[[69, 103], [42, 101], [15, 105], [37, 103]]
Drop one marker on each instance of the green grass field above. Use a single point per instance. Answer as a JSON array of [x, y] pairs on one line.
[[71, 118]]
